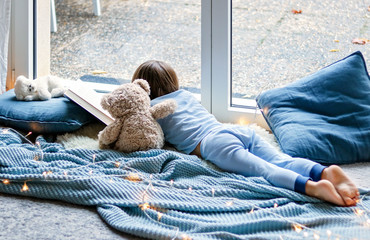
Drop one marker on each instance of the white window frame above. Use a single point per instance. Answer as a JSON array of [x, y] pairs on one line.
[[21, 43], [216, 66], [29, 45]]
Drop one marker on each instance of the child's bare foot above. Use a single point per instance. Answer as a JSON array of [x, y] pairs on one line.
[[343, 185], [324, 190]]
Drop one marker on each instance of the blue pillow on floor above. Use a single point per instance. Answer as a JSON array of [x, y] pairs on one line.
[[324, 117], [56, 115]]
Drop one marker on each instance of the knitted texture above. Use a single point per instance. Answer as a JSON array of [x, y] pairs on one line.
[[162, 194]]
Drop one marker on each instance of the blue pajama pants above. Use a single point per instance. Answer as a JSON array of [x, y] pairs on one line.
[[238, 149]]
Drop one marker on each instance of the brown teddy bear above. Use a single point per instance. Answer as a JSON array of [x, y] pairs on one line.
[[135, 127]]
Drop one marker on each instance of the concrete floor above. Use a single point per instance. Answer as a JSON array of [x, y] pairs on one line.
[[272, 46]]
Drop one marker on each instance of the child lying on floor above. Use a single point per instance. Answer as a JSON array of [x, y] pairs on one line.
[[193, 130]]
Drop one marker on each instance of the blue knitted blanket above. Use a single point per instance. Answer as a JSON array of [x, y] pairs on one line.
[[161, 194]]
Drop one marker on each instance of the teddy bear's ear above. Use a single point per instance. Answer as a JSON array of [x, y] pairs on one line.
[[143, 84], [21, 78], [105, 102]]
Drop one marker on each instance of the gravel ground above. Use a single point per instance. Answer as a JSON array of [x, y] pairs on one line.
[[272, 46]]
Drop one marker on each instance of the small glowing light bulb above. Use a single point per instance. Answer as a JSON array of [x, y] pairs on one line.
[[316, 236], [275, 205], [144, 206], [29, 133], [133, 177], [6, 181], [213, 192], [25, 187], [297, 228], [160, 216], [171, 182], [117, 164], [47, 173], [367, 223], [185, 237], [359, 212], [242, 122], [229, 203]]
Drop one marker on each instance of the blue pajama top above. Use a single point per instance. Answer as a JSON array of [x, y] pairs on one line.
[[189, 124]]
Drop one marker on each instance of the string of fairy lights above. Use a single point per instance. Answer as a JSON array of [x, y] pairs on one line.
[[133, 175]]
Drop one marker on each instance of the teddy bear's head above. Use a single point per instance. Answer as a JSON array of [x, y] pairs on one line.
[[25, 86], [127, 98]]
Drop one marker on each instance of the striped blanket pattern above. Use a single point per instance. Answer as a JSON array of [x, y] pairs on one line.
[[162, 194]]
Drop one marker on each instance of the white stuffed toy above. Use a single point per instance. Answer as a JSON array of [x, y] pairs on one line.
[[42, 88]]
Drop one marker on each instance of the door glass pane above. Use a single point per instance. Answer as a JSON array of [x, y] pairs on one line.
[[126, 34], [277, 42]]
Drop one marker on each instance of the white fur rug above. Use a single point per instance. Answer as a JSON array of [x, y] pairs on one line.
[[86, 137]]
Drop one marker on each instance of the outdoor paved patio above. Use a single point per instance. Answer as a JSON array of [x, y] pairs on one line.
[[272, 46]]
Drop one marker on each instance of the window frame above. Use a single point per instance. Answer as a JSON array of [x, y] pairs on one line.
[[216, 67], [21, 45]]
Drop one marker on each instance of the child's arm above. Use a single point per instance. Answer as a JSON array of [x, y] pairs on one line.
[[163, 109]]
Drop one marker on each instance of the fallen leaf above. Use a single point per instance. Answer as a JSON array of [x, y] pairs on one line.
[[360, 41], [98, 72], [334, 50], [296, 11]]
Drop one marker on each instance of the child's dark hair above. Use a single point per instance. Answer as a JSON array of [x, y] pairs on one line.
[[160, 76]]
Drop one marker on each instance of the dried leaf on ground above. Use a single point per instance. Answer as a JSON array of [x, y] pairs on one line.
[[360, 41], [99, 72], [294, 11]]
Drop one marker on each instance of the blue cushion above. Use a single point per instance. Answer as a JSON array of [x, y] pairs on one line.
[[56, 115], [325, 116]]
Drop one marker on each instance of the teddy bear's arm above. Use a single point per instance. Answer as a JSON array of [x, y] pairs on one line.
[[31, 97], [19, 97], [163, 109], [110, 133], [44, 94]]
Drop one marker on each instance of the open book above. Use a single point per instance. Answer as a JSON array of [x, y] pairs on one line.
[[89, 99]]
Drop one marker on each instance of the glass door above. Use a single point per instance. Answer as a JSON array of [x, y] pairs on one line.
[[216, 65], [21, 57], [276, 43], [108, 48], [270, 44]]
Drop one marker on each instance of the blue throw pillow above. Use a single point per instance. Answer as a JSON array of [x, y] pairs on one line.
[[325, 116], [56, 115]]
